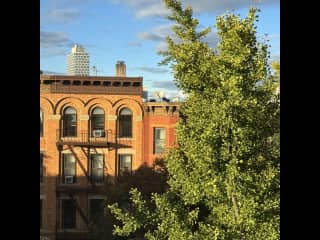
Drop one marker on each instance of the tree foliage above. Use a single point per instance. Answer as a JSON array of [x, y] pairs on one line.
[[224, 175]]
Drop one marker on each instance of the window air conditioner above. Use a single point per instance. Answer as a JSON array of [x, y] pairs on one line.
[[68, 179], [97, 133]]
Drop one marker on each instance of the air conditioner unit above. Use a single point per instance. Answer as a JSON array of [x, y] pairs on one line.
[[97, 133], [68, 179]]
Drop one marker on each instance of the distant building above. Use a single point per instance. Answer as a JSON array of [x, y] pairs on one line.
[[78, 62]]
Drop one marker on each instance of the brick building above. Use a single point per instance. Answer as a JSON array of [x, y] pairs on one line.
[[92, 127]]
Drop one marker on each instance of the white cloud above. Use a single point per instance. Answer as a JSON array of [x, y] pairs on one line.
[[62, 15], [145, 8], [153, 69], [54, 43], [135, 44], [150, 36], [149, 8], [53, 39], [165, 85]]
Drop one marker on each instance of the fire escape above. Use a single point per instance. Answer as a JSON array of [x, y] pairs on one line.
[[86, 142]]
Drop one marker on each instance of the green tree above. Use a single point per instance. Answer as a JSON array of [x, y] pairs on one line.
[[276, 75], [224, 175]]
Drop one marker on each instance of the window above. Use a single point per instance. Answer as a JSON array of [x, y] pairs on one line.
[[68, 214], [125, 163], [40, 213], [125, 123], [70, 122], [69, 168], [97, 167], [159, 137], [97, 123], [41, 167], [95, 209], [41, 123]]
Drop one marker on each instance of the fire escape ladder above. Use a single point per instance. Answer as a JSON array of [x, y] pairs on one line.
[[83, 216], [81, 165]]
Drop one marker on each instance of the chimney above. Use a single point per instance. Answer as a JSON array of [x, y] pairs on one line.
[[120, 69]]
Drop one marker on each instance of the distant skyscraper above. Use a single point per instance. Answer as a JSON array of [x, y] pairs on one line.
[[78, 62]]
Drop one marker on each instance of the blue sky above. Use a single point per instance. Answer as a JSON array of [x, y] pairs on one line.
[[133, 31]]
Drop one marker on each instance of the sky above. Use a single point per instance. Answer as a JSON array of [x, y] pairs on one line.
[[134, 31]]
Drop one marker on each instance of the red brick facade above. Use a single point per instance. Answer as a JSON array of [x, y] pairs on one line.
[[112, 94]]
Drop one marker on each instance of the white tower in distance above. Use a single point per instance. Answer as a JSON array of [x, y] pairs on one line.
[[78, 62]]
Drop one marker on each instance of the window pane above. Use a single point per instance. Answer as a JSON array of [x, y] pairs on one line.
[[70, 110], [124, 163], [125, 125], [159, 140], [70, 123], [98, 122], [69, 165], [98, 119], [98, 111], [97, 167], [68, 214], [96, 209], [125, 111], [161, 133], [97, 161]]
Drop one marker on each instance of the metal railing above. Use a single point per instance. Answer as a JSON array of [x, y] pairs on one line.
[[83, 137]]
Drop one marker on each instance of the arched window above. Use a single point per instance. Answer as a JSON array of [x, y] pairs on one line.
[[125, 123], [97, 123], [41, 123], [69, 122]]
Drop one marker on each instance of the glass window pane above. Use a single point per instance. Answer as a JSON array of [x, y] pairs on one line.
[[69, 165], [96, 209], [68, 214], [98, 122], [125, 163], [70, 110], [125, 126], [159, 140], [125, 111], [98, 111], [97, 167], [161, 133], [70, 122]]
